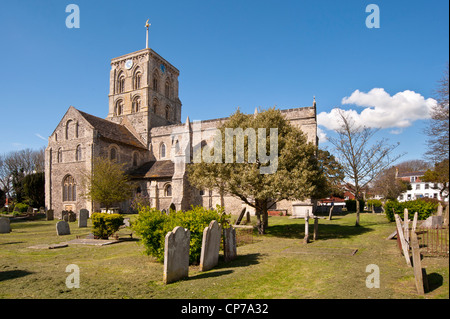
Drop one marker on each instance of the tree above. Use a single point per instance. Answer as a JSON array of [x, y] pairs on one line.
[[297, 175], [440, 175], [438, 127], [361, 160], [333, 172], [107, 183], [34, 189], [387, 185]]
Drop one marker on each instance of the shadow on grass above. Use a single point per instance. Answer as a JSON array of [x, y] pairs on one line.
[[435, 280], [12, 274], [325, 231]]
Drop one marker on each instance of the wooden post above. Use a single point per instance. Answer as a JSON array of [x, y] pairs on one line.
[[419, 274], [316, 227], [306, 239], [402, 239], [331, 213], [414, 225], [446, 216], [406, 227]]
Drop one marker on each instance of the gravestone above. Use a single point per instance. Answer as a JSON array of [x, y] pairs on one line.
[[176, 255], [210, 246], [5, 226], [49, 214], [83, 217], [62, 228], [65, 215], [229, 244], [72, 216], [432, 221], [439, 210]]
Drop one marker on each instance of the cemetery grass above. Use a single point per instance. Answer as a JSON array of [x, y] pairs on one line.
[[276, 265]]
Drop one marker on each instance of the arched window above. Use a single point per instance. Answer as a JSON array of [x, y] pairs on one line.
[[121, 83], [137, 79], [119, 108], [136, 105], [76, 129], [167, 111], [60, 157], [167, 89], [135, 159], [168, 190], [113, 154], [78, 154], [162, 150], [69, 189], [155, 81], [68, 123], [155, 105]]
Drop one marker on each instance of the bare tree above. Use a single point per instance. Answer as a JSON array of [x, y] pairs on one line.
[[361, 160], [438, 127]]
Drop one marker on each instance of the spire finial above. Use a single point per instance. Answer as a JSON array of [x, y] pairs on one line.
[[146, 38], [314, 101]]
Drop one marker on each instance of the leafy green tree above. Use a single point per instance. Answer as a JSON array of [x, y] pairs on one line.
[[297, 176], [107, 183], [34, 189], [440, 175]]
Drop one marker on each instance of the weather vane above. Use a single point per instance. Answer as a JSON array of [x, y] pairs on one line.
[[146, 39]]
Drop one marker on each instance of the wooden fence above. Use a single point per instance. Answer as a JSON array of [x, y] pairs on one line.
[[433, 241]]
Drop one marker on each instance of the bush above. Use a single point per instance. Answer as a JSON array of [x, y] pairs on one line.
[[424, 207], [21, 207], [152, 226], [104, 225], [351, 205], [374, 203]]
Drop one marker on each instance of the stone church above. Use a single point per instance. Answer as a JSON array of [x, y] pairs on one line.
[[142, 131]]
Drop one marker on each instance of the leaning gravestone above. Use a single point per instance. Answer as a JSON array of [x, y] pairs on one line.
[[229, 244], [210, 246], [62, 228], [72, 216], [5, 226], [176, 254], [49, 214], [83, 217]]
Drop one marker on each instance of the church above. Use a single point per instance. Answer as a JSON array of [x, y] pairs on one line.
[[141, 131]]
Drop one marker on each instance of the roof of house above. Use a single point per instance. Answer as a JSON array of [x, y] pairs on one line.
[[153, 169], [408, 174], [112, 131]]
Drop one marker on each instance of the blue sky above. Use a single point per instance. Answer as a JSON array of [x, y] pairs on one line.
[[230, 53]]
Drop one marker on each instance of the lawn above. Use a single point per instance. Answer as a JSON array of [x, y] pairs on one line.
[[276, 265]]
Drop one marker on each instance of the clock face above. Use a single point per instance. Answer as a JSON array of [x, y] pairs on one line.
[[129, 64], [163, 68]]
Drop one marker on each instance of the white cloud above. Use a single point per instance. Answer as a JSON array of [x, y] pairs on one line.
[[380, 110]]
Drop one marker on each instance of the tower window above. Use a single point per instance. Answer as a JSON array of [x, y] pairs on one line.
[[162, 150], [78, 154], [59, 157], [167, 111], [68, 123], [167, 89], [136, 105], [155, 81], [155, 105], [137, 80], [119, 108], [121, 83], [69, 189]]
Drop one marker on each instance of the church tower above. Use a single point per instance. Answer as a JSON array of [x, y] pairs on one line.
[[143, 88]]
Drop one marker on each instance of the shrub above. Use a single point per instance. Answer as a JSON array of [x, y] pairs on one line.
[[351, 205], [425, 208], [374, 203], [104, 225], [21, 207], [152, 226]]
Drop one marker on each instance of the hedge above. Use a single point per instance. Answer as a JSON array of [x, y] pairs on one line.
[[351, 205], [425, 208], [104, 225], [152, 225]]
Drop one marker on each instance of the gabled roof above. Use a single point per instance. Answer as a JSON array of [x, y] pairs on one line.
[[112, 131], [153, 169], [409, 174]]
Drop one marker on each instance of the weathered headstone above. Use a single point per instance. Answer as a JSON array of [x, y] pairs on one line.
[[5, 226], [49, 214], [176, 255], [210, 246], [306, 238], [72, 216], [62, 228], [65, 215], [229, 244], [241, 215], [439, 210], [401, 237], [432, 222], [83, 217]]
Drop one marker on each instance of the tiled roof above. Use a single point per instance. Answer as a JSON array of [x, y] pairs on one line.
[[154, 169], [112, 131]]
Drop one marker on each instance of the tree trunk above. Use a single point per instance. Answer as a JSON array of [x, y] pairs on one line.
[[261, 215], [357, 211]]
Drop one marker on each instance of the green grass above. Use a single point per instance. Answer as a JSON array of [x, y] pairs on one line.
[[277, 265]]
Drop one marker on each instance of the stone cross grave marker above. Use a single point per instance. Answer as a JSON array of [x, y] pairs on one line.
[[5, 226], [210, 246], [83, 217], [62, 228], [176, 255]]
